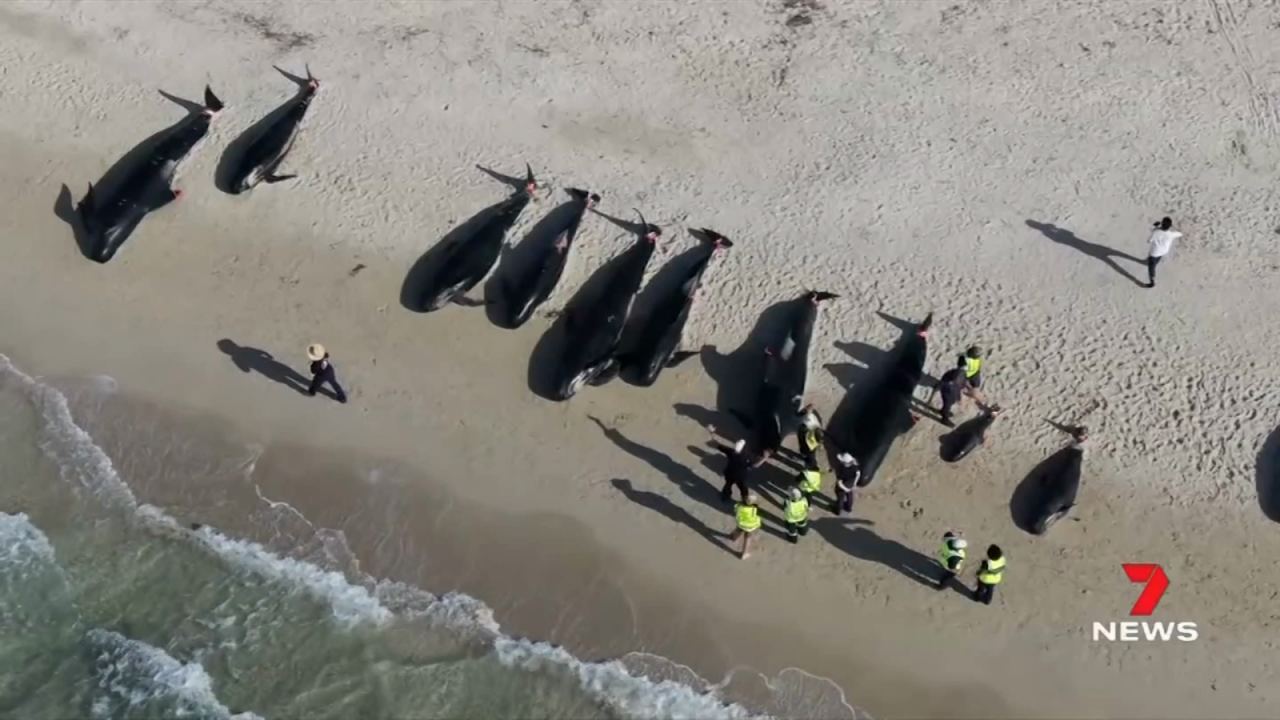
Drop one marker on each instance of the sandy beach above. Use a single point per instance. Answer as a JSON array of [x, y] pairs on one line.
[[998, 164]]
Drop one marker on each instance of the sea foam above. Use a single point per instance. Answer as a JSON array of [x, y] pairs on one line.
[[86, 467]]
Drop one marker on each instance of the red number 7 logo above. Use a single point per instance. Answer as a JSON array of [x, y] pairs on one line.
[[1156, 583]]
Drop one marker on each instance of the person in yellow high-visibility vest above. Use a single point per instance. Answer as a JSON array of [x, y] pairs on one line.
[[951, 557], [796, 511], [809, 435], [809, 482], [747, 515], [973, 371], [989, 575]]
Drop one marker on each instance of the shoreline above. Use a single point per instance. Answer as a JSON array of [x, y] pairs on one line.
[[336, 427], [1172, 480]]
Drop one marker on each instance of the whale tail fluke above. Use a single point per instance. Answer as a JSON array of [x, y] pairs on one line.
[[212, 104], [649, 230]]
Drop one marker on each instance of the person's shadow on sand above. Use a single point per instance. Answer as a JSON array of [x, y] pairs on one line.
[[250, 359], [1102, 252], [673, 512], [865, 544], [689, 482]]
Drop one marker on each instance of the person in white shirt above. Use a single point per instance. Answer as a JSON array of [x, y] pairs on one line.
[[1161, 242]]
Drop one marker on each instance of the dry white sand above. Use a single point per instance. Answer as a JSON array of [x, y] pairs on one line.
[[901, 154]]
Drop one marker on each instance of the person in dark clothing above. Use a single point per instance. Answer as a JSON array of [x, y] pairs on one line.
[[740, 463], [952, 385], [847, 475], [322, 372]]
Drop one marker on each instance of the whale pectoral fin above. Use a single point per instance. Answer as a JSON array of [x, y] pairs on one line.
[[465, 301], [272, 178], [679, 357]]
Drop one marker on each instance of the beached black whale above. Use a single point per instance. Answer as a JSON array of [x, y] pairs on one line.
[[521, 296], [786, 376], [263, 156], [109, 220], [662, 330], [886, 413], [593, 332], [468, 260], [957, 445], [1057, 487]]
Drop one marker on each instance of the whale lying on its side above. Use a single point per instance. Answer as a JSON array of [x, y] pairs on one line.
[[263, 156], [663, 329], [110, 219], [594, 331]]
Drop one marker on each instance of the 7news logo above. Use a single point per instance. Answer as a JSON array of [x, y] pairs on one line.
[[1155, 583]]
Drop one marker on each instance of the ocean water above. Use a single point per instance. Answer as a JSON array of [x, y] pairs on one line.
[[113, 607]]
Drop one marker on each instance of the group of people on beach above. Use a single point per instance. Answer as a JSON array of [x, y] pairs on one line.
[[806, 492], [962, 380]]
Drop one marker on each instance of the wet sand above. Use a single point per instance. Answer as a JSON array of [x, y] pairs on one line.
[[1184, 375]]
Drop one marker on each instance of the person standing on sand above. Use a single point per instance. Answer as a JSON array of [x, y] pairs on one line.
[[809, 481], [952, 385], [747, 515], [847, 476], [809, 435], [989, 575], [1159, 245], [952, 557], [739, 464], [796, 511], [973, 372], [322, 372]]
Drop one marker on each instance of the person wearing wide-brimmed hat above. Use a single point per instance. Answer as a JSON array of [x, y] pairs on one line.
[[322, 372], [847, 476]]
